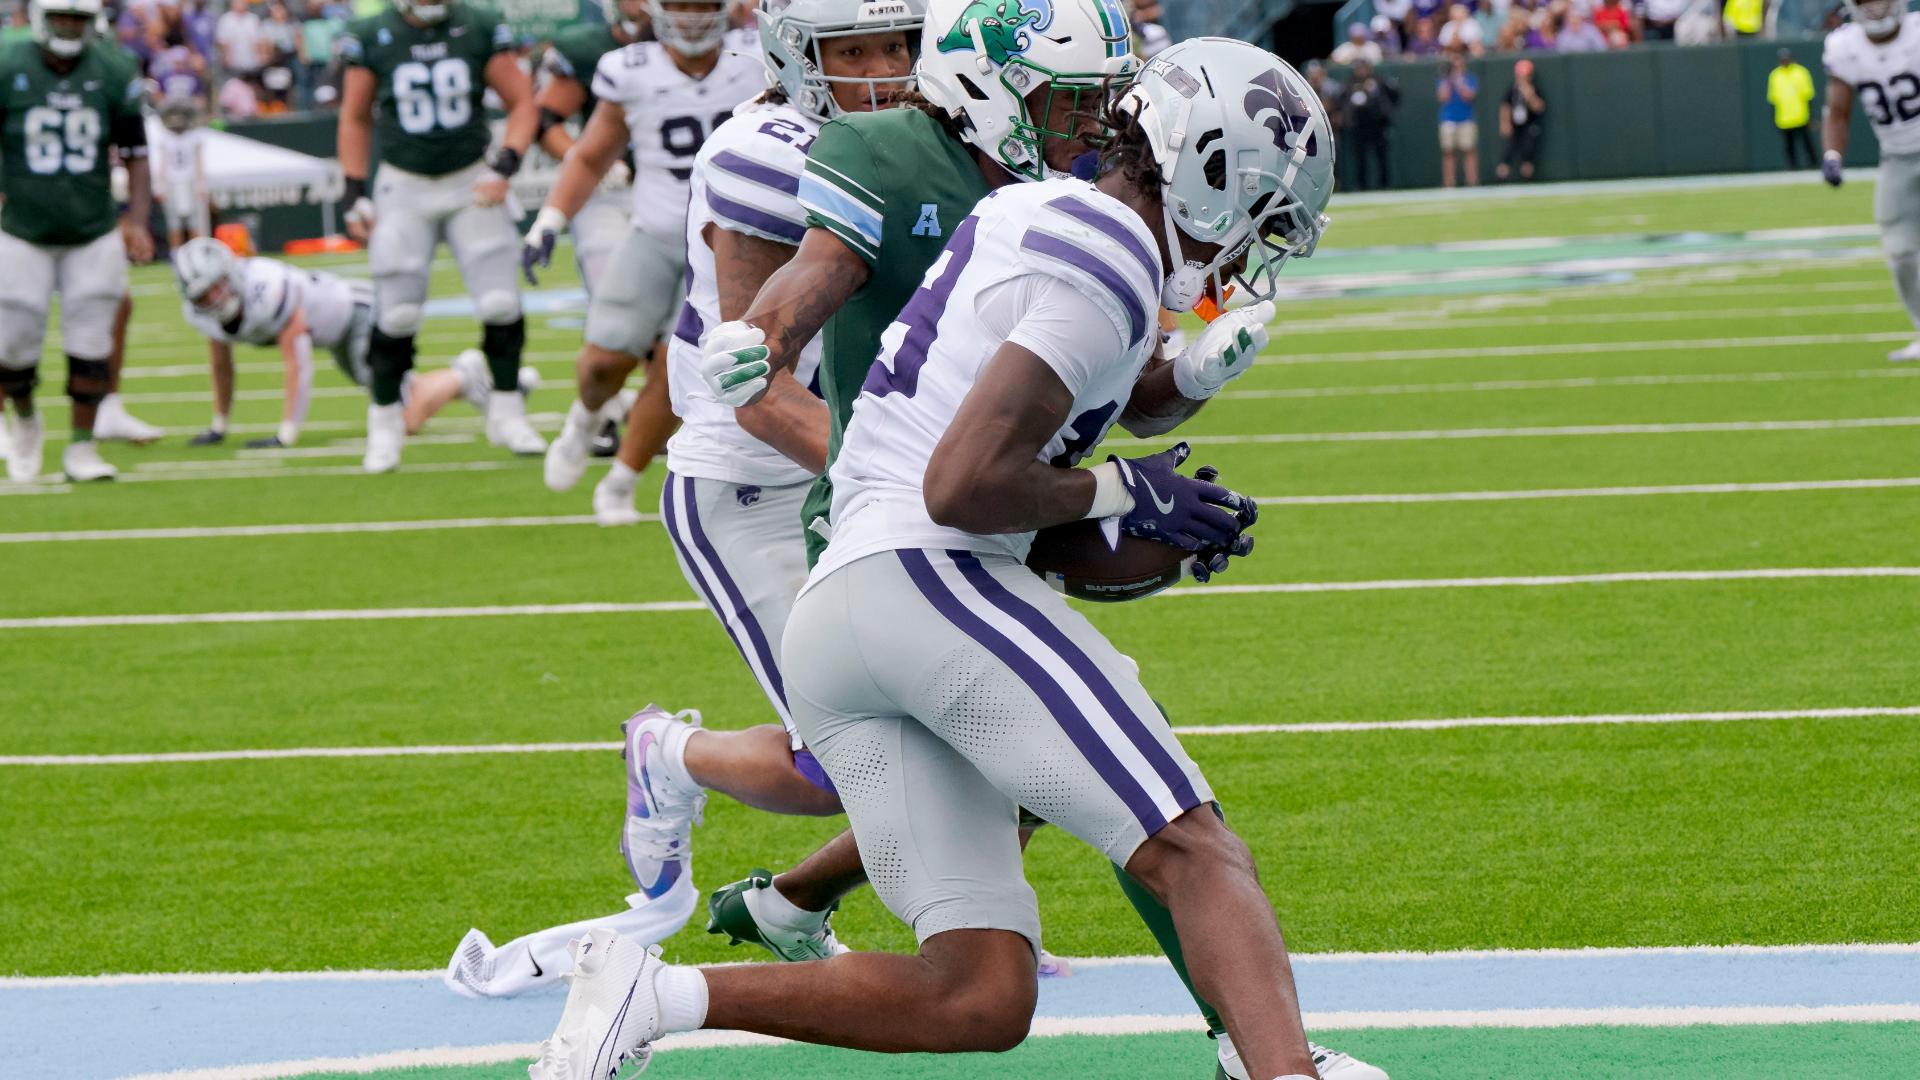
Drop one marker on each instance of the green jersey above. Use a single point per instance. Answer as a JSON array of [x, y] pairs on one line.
[[575, 52], [55, 133], [430, 82], [891, 185]]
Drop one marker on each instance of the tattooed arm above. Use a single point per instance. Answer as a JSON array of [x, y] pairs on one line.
[[787, 417], [799, 298]]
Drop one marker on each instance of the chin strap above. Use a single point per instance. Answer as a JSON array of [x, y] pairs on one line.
[[1187, 283]]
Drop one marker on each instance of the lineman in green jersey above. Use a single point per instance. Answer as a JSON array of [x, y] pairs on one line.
[[884, 191], [416, 79], [66, 103]]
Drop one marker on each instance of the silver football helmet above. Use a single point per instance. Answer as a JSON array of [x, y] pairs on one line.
[[64, 44], [202, 267], [1879, 18], [979, 59], [617, 16], [791, 32], [690, 33], [1245, 152], [437, 12]]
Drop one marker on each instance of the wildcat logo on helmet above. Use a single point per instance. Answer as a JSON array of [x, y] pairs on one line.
[[1002, 26], [1268, 91]]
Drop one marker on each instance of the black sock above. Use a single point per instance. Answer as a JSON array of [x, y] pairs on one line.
[[503, 345], [390, 358]]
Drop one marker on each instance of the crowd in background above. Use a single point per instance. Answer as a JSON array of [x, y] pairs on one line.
[[1432, 28]]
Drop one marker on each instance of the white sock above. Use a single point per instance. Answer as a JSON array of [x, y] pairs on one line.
[[219, 425], [674, 753], [621, 477], [683, 998], [784, 914], [289, 433]]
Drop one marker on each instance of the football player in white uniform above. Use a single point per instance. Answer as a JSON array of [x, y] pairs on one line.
[[942, 683], [180, 171], [260, 301], [1876, 59], [731, 502], [662, 98], [417, 75]]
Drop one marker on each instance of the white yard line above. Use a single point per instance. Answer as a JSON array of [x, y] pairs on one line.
[[320, 529], [1563, 432], [1419, 497], [242, 470], [1575, 383], [58, 622], [1586, 347], [378, 975], [35, 488], [1390, 322], [211, 532], [189, 757]]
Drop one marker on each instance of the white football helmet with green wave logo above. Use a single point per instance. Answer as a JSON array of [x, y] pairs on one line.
[[791, 32], [980, 59], [64, 45], [1246, 162]]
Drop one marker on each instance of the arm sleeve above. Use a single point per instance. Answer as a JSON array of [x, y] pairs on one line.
[[129, 133], [1049, 317], [839, 186]]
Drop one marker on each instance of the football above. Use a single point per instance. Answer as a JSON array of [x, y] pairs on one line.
[[1076, 559]]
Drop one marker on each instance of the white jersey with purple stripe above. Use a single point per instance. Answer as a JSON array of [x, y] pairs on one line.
[[745, 181], [271, 292], [1885, 76], [1054, 232], [670, 114]]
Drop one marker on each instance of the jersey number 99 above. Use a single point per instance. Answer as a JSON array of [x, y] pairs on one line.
[[62, 138], [440, 96]]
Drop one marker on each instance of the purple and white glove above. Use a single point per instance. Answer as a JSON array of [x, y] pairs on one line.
[[537, 248], [1207, 562], [1189, 512], [1832, 170]]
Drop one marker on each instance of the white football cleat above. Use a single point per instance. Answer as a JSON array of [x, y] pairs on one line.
[[114, 422], [1901, 356], [661, 809], [26, 446], [529, 381], [386, 434], [507, 425], [1331, 1064], [476, 379], [567, 455], [612, 1014], [613, 503], [1053, 967], [82, 462], [471, 968]]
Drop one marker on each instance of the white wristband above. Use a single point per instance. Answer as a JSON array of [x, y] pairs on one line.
[[1109, 493], [550, 218]]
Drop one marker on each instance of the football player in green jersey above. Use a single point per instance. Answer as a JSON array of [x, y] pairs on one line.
[[67, 103], [416, 78]]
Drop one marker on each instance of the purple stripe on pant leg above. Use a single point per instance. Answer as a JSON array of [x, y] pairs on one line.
[[740, 609], [1051, 694], [1045, 243], [1073, 207], [812, 771], [754, 218], [1124, 717], [672, 520]]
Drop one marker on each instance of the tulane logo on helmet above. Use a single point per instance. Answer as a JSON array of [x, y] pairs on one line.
[[1268, 92], [1003, 27]]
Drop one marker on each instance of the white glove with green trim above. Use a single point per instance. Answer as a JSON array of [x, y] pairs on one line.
[[1223, 352], [733, 363]]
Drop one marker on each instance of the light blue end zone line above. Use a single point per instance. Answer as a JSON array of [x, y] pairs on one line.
[[54, 1030]]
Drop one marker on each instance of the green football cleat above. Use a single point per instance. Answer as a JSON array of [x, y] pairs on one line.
[[738, 911]]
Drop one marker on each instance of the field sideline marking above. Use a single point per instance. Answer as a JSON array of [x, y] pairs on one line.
[[55, 622], [1572, 383], [1047, 1027], [206, 532], [1196, 730], [1563, 432], [223, 978], [1583, 347]]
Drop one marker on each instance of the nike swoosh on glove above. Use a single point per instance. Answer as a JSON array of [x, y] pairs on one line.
[[1223, 352], [1190, 513], [733, 363]]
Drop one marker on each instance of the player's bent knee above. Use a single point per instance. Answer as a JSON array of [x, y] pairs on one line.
[[400, 320], [988, 988], [88, 380], [498, 307]]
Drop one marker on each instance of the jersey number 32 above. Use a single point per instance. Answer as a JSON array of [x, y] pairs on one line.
[[1883, 108]]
